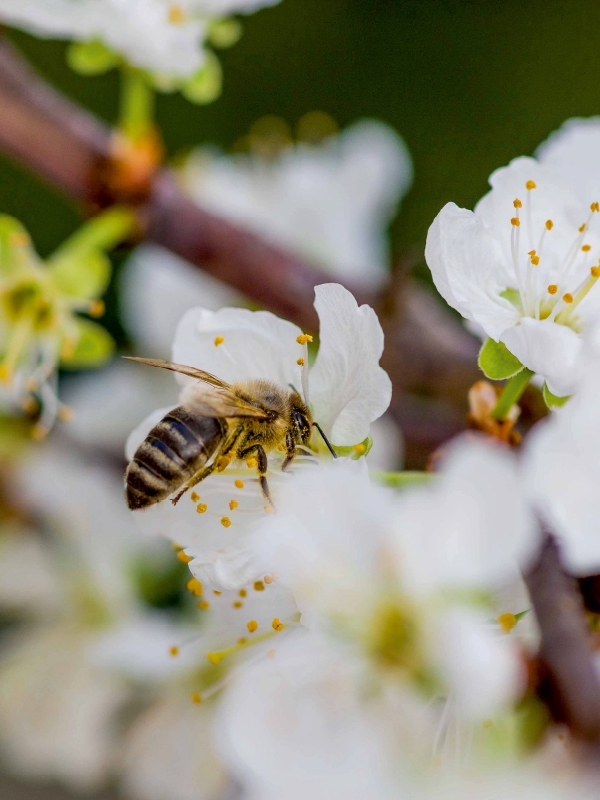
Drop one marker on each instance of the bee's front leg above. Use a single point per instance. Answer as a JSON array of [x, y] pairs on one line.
[[258, 451], [290, 450]]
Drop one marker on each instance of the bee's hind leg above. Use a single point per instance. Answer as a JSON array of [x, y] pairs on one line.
[[199, 476], [262, 464]]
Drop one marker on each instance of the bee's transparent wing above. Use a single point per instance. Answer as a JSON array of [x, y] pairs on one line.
[[199, 374], [211, 398], [208, 401]]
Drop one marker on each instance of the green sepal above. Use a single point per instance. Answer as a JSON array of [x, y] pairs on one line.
[[93, 348], [224, 33], [551, 399], [205, 86], [91, 58], [15, 246], [497, 362], [86, 276]]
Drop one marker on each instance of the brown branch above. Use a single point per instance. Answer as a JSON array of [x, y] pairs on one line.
[[427, 351], [573, 684]]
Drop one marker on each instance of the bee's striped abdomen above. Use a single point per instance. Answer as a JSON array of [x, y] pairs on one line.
[[174, 450]]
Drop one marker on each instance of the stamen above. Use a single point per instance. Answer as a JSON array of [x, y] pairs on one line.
[[243, 593], [239, 483], [217, 592], [225, 522], [233, 504], [517, 203], [238, 604], [530, 185], [549, 224], [277, 625], [581, 228], [176, 14], [507, 622], [185, 559], [252, 626], [567, 297], [204, 605], [268, 579], [595, 207], [196, 698], [195, 587], [174, 651], [219, 340], [201, 508], [515, 221], [300, 362], [359, 448], [194, 497], [552, 289], [304, 338], [259, 586], [586, 248]]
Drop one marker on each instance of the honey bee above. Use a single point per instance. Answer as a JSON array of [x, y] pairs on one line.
[[226, 422]]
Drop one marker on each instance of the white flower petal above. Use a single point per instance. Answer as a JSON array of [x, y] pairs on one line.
[[550, 350], [256, 344], [573, 153], [467, 269], [348, 388]]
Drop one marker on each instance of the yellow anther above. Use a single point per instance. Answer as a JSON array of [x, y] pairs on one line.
[[549, 224], [242, 640], [173, 651], [595, 207], [225, 522], [530, 185], [595, 272], [194, 497], [487, 723], [196, 698], [304, 338], [277, 625], [300, 362], [259, 586], [552, 289], [243, 593], [252, 626], [65, 414], [507, 622], [515, 221], [219, 340], [233, 504], [517, 203], [204, 605], [567, 297], [586, 248], [96, 309], [176, 14], [195, 587], [217, 592], [268, 579], [238, 604], [39, 432], [359, 448], [201, 508], [176, 546], [268, 509], [535, 260], [239, 483], [251, 463], [581, 228], [185, 559]]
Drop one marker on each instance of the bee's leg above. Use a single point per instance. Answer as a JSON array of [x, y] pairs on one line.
[[262, 464], [214, 465], [290, 450]]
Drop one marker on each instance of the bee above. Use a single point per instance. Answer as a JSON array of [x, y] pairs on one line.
[[216, 420]]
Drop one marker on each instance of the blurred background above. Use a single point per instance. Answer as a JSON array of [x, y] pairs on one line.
[[468, 84]]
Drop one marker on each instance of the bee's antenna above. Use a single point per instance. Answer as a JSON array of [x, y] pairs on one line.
[[325, 439], [293, 388]]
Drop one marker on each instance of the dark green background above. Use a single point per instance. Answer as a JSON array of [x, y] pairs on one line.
[[469, 84]]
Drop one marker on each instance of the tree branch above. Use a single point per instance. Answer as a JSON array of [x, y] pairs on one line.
[[573, 684]]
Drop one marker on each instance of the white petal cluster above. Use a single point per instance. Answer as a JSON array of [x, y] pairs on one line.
[[331, 203], [159, 35], [523, 266]]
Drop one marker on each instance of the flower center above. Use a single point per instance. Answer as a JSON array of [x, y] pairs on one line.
[[540, 296]]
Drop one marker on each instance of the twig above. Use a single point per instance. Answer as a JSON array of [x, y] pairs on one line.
[[574, 687]]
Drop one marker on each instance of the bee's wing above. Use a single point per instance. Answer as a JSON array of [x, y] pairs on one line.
[[199, 374], [208, 401]]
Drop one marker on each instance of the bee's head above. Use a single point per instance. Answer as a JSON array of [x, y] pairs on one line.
[[301, 420]]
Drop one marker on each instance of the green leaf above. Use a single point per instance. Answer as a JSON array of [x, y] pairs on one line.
[[205, 86], [86, 276], [225, 33], [91, 58], [497, 362], [93, 348], [15, 245], [551, 399]]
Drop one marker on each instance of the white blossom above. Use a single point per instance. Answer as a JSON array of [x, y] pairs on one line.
[[347, 390], [330, 203], [523, 266], [159, 35]]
